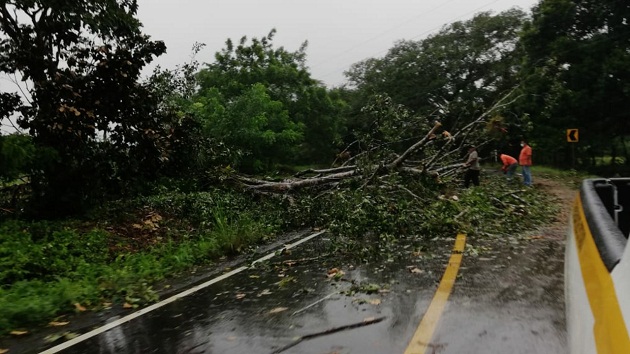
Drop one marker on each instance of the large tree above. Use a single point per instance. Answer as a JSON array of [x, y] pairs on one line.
[[258, 68], [453, 75], [577, 75], [81, 62], [252, 123]]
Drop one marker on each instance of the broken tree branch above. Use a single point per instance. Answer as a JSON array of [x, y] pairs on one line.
[[297, 184], [367, 168], [314, 303], [299, 340], [326, 170], [415, 147]]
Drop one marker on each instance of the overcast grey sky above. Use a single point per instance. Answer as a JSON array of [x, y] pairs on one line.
[[339, 32]]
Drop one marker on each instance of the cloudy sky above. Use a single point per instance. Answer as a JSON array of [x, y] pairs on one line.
[[339, 32]]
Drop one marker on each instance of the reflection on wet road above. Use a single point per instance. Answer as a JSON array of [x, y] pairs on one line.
[[305, 292]]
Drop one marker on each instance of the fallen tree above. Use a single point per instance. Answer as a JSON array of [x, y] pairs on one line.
[[437, 154]]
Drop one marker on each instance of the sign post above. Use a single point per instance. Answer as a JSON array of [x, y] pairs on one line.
[[573, 136]]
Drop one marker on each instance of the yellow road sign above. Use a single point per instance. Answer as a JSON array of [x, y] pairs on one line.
[[572, 135]]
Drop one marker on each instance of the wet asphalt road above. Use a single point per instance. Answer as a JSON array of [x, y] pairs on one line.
[[508, 298]]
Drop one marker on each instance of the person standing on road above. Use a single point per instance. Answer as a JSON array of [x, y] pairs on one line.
[[472, 162], [509, 165], [525, 160]]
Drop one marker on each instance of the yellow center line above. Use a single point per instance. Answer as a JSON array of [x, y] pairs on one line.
[[421, 339]]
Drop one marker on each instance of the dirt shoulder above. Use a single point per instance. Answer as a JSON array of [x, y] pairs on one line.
[[564, 197]]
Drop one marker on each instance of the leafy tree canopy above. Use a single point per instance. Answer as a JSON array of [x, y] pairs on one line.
[[577, 71], [81, 62], [252, 122], [452, 76], [257, 67]]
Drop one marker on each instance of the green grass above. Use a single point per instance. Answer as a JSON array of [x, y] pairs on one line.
[[607, 160], [46, 268], [571, 178]]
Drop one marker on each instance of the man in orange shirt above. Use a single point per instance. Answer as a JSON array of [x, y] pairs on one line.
[[525, 160], [509, 165]]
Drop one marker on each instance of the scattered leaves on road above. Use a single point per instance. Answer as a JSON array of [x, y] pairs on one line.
[[367, 288], [285, 281], [278, 309], [19, 333], [57, 336], [79, 308], [415, 270], [58, 324], [264, 292], [417, 253], [361, 301], [240, 296], [335, 273]]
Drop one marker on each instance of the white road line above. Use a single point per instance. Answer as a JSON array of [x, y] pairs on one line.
[[107, 327]]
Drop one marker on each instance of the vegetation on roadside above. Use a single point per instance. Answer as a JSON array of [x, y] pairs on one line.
[[52, 268], [571, 178], [57, 268]]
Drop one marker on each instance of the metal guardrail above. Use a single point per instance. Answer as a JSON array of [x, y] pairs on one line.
[[597, 268], [606, 204]]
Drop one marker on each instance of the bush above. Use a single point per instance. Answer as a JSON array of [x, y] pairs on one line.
[[30, 303], [47, 267], [44, 251]]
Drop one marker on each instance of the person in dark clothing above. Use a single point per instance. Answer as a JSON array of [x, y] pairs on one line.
[[472, 162]]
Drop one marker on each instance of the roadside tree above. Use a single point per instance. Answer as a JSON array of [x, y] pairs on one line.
[[80, 62], [255, 72], [576, 74], [453, 76]]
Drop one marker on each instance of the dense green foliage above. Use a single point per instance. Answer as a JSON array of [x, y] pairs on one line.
[[17, 154], [576, 72], [83, 61], [263, 101], [452, 76], [48, 267], [569, 62]]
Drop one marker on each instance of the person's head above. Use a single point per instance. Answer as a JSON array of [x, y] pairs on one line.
[[523, 142], [471, 148]]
